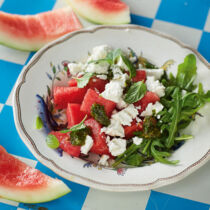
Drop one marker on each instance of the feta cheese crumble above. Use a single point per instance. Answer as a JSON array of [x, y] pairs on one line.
[[137, 140], [101, 68], [121, 64], [156, 73], [99, 52], [102, 76], [75, 68], [114, 129], [113, 91], [155, 86], [87, 146], [126, 116], [104, 160], [117, 146], [157, 107]]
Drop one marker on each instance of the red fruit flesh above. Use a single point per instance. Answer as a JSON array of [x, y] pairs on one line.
[[74, 115], [149, 97], [99, 146], [65, 143], [129, 130], [72, 83], [92, 97], [65, 95], [15, 174], [140, 76]]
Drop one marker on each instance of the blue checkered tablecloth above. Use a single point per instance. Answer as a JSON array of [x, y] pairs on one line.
[[187, 20]]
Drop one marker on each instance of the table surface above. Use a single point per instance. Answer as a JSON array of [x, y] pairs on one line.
[[187, 20]]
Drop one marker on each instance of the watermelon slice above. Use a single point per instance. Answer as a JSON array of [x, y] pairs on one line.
[[92, 97], [65, 95], [140, 76], [65, 143], [99, 146], [129, 130], [102, 11], [74, 115], [149, 97], [22, 183], [31, 32]]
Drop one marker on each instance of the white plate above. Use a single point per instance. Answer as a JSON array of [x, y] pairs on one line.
[[74, 46]]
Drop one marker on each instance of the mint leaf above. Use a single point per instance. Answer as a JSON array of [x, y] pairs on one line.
[[52, 141], [131, 69], [39, 123], [135, 92], [186, 73], [99, 114], [76, 127], [83, 81]]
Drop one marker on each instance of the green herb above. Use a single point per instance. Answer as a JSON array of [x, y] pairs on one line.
[[146, 64], [83, 81], [175, 118], [77, 127], [39, 123], [113, 56], [183, 137], [131, 69], [160, 156], [52, 141], [134, 160], [129, 151], [99, 114], [186, 73], [78, 137], [135, 92]]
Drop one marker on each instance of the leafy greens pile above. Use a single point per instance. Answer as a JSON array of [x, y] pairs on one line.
[[181, 105]]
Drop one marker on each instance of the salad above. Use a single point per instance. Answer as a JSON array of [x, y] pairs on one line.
[[123, 108]]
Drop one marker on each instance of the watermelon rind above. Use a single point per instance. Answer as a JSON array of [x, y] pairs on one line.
[[97, 17], [55, 189], [32, 32]]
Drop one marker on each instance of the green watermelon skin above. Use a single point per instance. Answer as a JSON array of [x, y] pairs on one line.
[[31, 32], [20, 182], [107, 12]]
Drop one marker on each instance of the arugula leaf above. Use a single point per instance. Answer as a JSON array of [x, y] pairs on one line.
[[83, 81], [205, 97], [129, 151], [186, 73], [161, 156], [99, 114], [76, 127], [183, 137], [135, 92], [175, 118], [134, 160]]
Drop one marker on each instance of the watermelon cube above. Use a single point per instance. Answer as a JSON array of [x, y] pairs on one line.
[[92, 97], [140, 76], [65, 143], [72, 83], [65, 95], [149, 97], [96, 83], [74, 115], [99, 139], [129, 130]]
